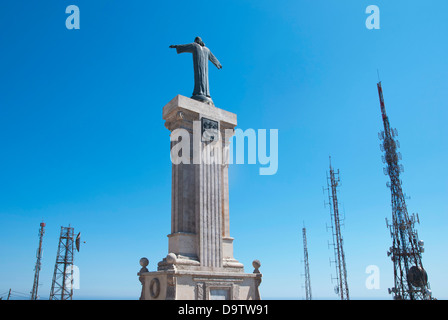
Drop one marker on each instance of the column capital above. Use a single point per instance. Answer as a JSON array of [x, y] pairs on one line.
[[182, 109]]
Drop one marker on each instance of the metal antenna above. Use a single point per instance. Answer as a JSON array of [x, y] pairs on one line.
[[410, 279], [307, 267], [62, 284], [38, 263], [341, 288]]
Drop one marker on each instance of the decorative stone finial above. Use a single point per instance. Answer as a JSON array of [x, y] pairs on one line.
[[171, 258], [144, 263], [256, 264]]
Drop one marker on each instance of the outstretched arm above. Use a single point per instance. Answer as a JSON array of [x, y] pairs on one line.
[[215, 61], [183, 47]]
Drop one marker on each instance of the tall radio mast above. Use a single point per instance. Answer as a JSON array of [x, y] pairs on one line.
[[307, 267], [410, 279], [62, 284], [341, 288], [38, 263]]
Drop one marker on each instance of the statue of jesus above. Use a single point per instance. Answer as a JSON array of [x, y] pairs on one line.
[[201, 55]]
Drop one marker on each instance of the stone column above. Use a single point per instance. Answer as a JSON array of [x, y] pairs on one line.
[[200, 201], [228, 260]]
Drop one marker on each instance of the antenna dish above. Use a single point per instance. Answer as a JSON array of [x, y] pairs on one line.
[[78, 241], [417, 276]]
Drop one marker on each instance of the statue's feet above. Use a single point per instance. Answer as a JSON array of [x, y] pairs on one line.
[[202, 98]]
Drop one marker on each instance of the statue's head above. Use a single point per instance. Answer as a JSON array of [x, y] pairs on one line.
[[199, 41]]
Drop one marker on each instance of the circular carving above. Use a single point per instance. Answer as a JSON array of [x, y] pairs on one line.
[[154, 287]]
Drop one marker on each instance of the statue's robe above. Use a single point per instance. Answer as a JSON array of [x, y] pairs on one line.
[[201, 56]]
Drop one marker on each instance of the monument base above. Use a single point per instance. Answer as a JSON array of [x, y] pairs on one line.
[[199, 285]]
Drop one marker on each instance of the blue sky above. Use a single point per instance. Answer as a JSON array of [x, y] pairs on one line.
[[83, 141]]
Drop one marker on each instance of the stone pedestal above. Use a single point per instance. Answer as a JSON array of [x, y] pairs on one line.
[[200, 264]]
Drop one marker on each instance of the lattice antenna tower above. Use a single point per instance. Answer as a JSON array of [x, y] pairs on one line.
[[341, 288], [307, 267], [410, 278], [62, 284], [34, 291]]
